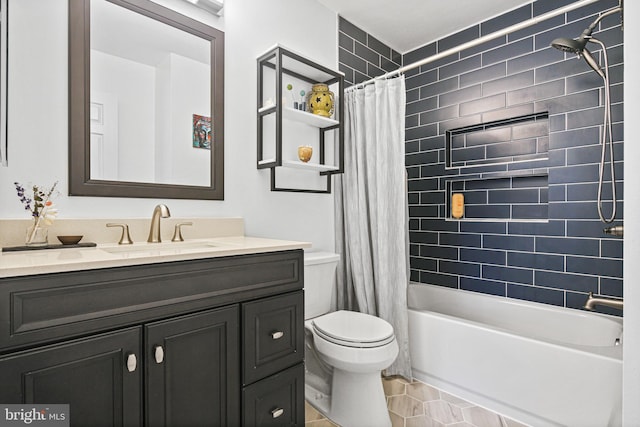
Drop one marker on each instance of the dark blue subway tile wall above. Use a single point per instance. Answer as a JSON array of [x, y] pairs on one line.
[[362, 56], [532, 235], [550, 247]]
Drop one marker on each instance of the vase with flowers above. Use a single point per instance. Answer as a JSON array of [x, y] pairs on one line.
[[41, 208]]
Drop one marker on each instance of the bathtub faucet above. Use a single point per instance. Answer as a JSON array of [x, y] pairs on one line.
[[592, 301]]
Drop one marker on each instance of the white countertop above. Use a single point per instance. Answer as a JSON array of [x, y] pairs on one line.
[[31, 262]]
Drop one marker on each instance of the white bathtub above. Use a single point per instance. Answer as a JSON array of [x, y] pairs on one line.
[[535, 363]]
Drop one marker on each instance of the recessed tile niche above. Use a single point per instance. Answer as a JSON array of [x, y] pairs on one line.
[[517, 139], [500, 168], [510, 198]]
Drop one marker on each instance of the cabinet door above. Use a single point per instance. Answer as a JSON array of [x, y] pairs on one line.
[[277, 400], [273, 335], [96, 376], [193, 374]]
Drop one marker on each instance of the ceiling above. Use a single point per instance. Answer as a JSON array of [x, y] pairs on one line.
[[407, 24]]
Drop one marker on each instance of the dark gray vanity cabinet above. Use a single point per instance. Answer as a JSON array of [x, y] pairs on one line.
[[192, 370], [90, 374], [272, 361], [160, 344]]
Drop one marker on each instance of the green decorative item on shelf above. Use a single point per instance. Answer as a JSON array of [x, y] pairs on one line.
[[290, 89], [321, 100]]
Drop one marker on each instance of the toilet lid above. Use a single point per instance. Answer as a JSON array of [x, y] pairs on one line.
[[353, 329]]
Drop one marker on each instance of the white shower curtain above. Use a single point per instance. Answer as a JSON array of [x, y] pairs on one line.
[[371, 211]]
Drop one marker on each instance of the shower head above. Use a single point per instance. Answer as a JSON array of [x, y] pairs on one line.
[[570, 45], [579, 47]]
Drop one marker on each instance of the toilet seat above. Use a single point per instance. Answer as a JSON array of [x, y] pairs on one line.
[[353, 329]]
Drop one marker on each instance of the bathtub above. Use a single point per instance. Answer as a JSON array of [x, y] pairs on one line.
[[535, 363]]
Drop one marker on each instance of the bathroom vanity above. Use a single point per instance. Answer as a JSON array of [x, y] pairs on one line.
[[211, 338]]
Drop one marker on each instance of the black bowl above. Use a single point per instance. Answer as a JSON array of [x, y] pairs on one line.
[[69, 240]]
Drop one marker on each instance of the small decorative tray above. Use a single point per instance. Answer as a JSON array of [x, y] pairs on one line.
[[56, 246]]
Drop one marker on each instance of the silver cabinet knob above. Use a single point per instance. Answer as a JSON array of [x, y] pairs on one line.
[[278, 412], [276, 335], [158, 354], [132, 362]]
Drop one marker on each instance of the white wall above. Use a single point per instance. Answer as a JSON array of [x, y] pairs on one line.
[[185, 86], [38, 108], [132, 86], [631, 375]]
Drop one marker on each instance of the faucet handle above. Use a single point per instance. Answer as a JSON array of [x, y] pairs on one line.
[[177, 234], [125, 238]]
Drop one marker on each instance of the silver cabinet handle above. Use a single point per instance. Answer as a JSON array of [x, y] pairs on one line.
[[278, 412], [132, 362], [276, 335], [158, 354]]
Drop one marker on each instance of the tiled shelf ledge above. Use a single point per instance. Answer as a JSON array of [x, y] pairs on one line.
[[527, 220]]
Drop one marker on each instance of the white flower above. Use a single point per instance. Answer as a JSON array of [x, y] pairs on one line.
[[49, 213]]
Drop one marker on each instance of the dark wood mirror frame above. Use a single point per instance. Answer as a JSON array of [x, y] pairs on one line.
[[80, 182]]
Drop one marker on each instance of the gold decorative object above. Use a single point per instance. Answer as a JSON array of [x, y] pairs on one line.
[[321, 100], [305, 152]]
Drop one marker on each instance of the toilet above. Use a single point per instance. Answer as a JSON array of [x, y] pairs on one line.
[[345, 352]]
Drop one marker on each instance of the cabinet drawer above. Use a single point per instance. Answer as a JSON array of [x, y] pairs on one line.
[[275, 401], [273, 335]]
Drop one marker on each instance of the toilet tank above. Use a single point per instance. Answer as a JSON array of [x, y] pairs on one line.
[[319, 282]]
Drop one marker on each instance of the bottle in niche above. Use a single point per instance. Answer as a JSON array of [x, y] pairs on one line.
[[457, 205]]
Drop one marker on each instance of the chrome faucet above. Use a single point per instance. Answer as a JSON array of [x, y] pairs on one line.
[[160, 211], [592, 301]]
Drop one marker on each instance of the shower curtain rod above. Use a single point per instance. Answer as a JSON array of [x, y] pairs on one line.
[[472, 43]]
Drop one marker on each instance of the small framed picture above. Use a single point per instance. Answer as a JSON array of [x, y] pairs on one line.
[[202, 132]]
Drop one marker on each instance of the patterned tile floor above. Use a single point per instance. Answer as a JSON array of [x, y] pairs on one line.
[[415, 404]]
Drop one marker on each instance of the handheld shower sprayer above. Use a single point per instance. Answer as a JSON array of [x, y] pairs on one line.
[[579, 47], [579, 44]]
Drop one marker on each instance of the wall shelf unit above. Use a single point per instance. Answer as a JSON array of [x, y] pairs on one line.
[[278, 123]]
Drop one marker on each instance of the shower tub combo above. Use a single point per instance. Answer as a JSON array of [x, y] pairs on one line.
[[538, 364]]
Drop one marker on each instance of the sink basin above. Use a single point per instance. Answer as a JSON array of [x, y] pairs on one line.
[[149, 249]]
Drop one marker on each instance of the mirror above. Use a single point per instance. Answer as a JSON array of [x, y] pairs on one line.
[[146, 102]]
